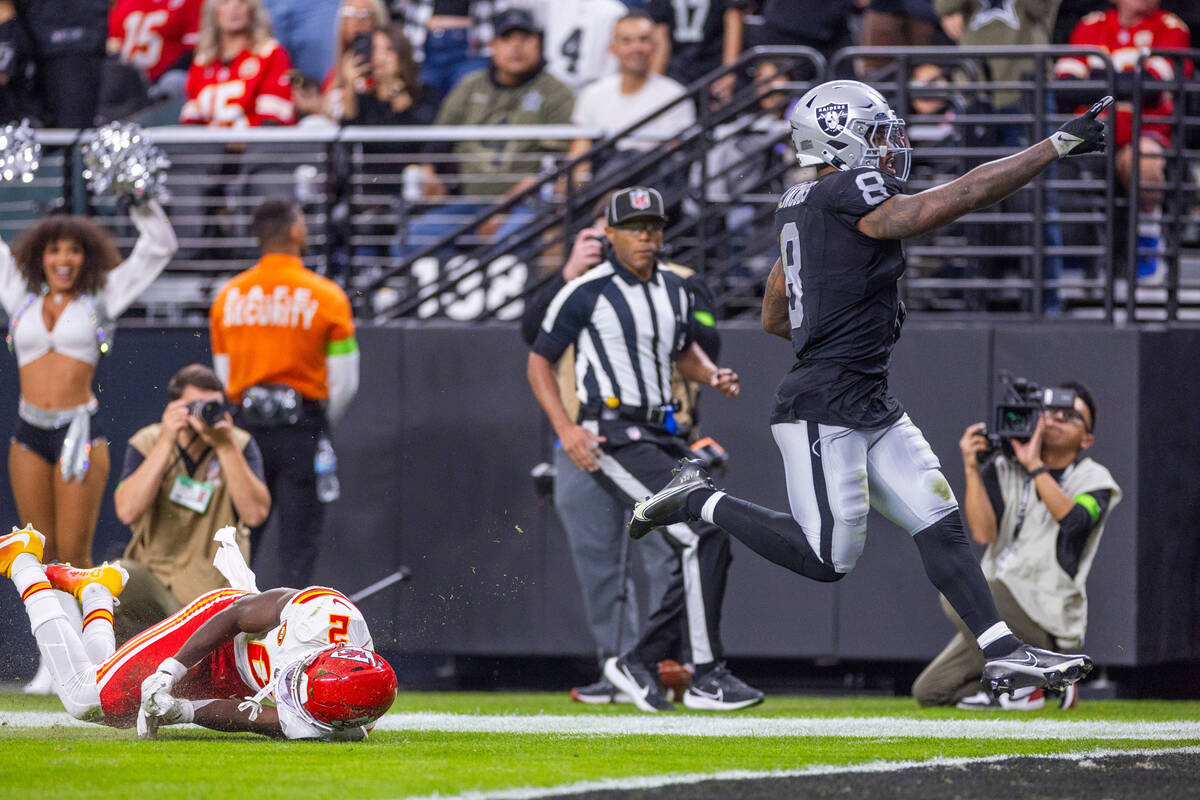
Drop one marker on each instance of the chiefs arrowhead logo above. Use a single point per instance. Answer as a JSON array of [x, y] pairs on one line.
[[282, 633], [832, 117]]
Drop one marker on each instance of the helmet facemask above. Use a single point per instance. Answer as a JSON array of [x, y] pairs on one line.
[[886, 145]]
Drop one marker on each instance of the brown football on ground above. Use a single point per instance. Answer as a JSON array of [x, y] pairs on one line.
[[675, 677]]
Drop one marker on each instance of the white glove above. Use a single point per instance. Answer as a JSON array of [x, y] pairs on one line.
[[160, 708], [163, 679]]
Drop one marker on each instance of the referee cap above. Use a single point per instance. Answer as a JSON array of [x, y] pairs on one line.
[[636, 202]]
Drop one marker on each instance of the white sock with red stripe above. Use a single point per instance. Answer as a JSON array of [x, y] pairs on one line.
[[98, 637], [41, 602]]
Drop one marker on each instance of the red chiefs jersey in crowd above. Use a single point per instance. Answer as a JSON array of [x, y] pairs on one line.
[[252, 89], [1161, 30], [153, 35]]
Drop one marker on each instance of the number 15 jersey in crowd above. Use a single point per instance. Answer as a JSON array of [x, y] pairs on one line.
[[842, 301]]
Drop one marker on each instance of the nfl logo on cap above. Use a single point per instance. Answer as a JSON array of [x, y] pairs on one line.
[[639, 199]]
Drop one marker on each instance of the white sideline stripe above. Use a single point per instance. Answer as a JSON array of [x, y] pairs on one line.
[[711, 726], [661, 781]]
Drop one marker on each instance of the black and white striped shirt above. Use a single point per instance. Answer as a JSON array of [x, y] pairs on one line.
[[415, 14], [627, 333]]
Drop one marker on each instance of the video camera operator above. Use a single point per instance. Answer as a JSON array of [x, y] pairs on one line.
[[1040, 510], [183, 478]]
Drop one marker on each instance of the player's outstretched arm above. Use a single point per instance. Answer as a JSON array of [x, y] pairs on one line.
[[775, 318], [903, 216], [224, 715]]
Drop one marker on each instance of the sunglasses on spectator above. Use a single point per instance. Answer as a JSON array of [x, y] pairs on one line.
[[355, 13], [637, 226], [1067, 415]]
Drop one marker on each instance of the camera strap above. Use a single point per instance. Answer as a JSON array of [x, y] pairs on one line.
[[1026, 488]]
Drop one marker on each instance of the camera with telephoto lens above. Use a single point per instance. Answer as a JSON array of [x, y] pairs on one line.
[[210, 412], [1016, 414]]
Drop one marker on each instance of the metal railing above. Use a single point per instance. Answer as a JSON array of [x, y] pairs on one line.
[[1067, 243]]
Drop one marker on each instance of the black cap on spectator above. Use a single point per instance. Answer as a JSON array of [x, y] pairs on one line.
[[514, 19], [636, 202]]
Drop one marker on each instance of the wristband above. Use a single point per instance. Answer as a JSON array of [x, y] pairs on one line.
[[1042, 470], [173, 668]]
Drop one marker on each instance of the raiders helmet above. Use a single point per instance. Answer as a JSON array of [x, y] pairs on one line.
[[847, 124], [345, 687]]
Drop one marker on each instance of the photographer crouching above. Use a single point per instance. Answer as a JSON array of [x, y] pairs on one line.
[[1039, 504], [183, 478]]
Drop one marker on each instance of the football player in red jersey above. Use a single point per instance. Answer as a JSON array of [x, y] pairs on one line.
[[154, 35], [213, 662], [239, 76], [1128, 30]]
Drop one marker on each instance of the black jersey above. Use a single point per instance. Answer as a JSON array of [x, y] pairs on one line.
[[843, 300], [697, 30]]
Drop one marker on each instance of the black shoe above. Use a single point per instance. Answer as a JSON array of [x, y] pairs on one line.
[[721, 690], [669, 504], [1032, 666], [600, 692], [638, 682]]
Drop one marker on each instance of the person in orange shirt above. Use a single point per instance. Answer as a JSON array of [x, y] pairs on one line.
[[283, 344]]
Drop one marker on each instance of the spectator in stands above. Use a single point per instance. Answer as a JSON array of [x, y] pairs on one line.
[[394, 96], [450, 38], [309, 101], [239, 76], [62, 287], [691, 45], [307, 31], [613, 103], [356, 19], [157, 37], [18, 70], [1126, 32], [517, 90], [577, 36], [894, 23], [820, 24], [183, 478], [283, 344], [68, 37], [1040, 509]]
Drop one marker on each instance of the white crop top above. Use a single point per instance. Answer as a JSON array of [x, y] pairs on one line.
[[76, 332]]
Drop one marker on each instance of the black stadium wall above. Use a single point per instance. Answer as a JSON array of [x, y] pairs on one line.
[[436, 449]]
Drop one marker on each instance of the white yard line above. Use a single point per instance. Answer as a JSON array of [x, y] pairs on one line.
[[1011, 727], [662, 781]]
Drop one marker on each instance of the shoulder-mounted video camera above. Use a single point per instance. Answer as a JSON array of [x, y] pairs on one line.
[[1016, 414]]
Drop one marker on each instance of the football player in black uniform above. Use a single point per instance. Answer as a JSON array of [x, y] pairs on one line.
[[847, 444]]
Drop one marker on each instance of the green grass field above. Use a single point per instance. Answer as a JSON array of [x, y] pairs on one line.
[[93, 762]]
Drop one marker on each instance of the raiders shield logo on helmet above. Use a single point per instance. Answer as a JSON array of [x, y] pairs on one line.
[[832, 118], [639, 199]]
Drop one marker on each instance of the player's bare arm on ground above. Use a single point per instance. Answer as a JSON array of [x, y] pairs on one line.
[[775, 319], [253, 613], [578, 443], [903, 216], [695, 365], [224, 715]]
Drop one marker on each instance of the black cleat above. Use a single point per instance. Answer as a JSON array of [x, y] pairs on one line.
[[638, 682], [669, 504], [1032, 666], [721, 690]]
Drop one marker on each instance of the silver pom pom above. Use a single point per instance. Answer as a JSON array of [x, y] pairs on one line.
[[20, 152], [118, 159]]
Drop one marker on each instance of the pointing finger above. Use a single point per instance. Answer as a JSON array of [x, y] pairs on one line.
[[1099, 106]]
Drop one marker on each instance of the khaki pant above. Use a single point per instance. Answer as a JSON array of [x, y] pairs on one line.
[[144, 602], [956, 671]]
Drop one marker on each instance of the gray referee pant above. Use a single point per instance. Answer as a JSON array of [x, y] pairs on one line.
[[693, 599], [594, 520]]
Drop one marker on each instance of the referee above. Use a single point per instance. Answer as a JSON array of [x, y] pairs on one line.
[[283, 344], [630, 322]]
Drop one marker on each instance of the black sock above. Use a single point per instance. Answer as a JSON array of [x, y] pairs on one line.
[[1001, 647], [774, 536], [700, 670], [696, 500], [952, 568]]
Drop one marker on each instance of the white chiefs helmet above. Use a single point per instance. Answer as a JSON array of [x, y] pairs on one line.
[[847, 124]]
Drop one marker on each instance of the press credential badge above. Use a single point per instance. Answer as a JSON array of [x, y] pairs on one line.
[[191, 494]]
